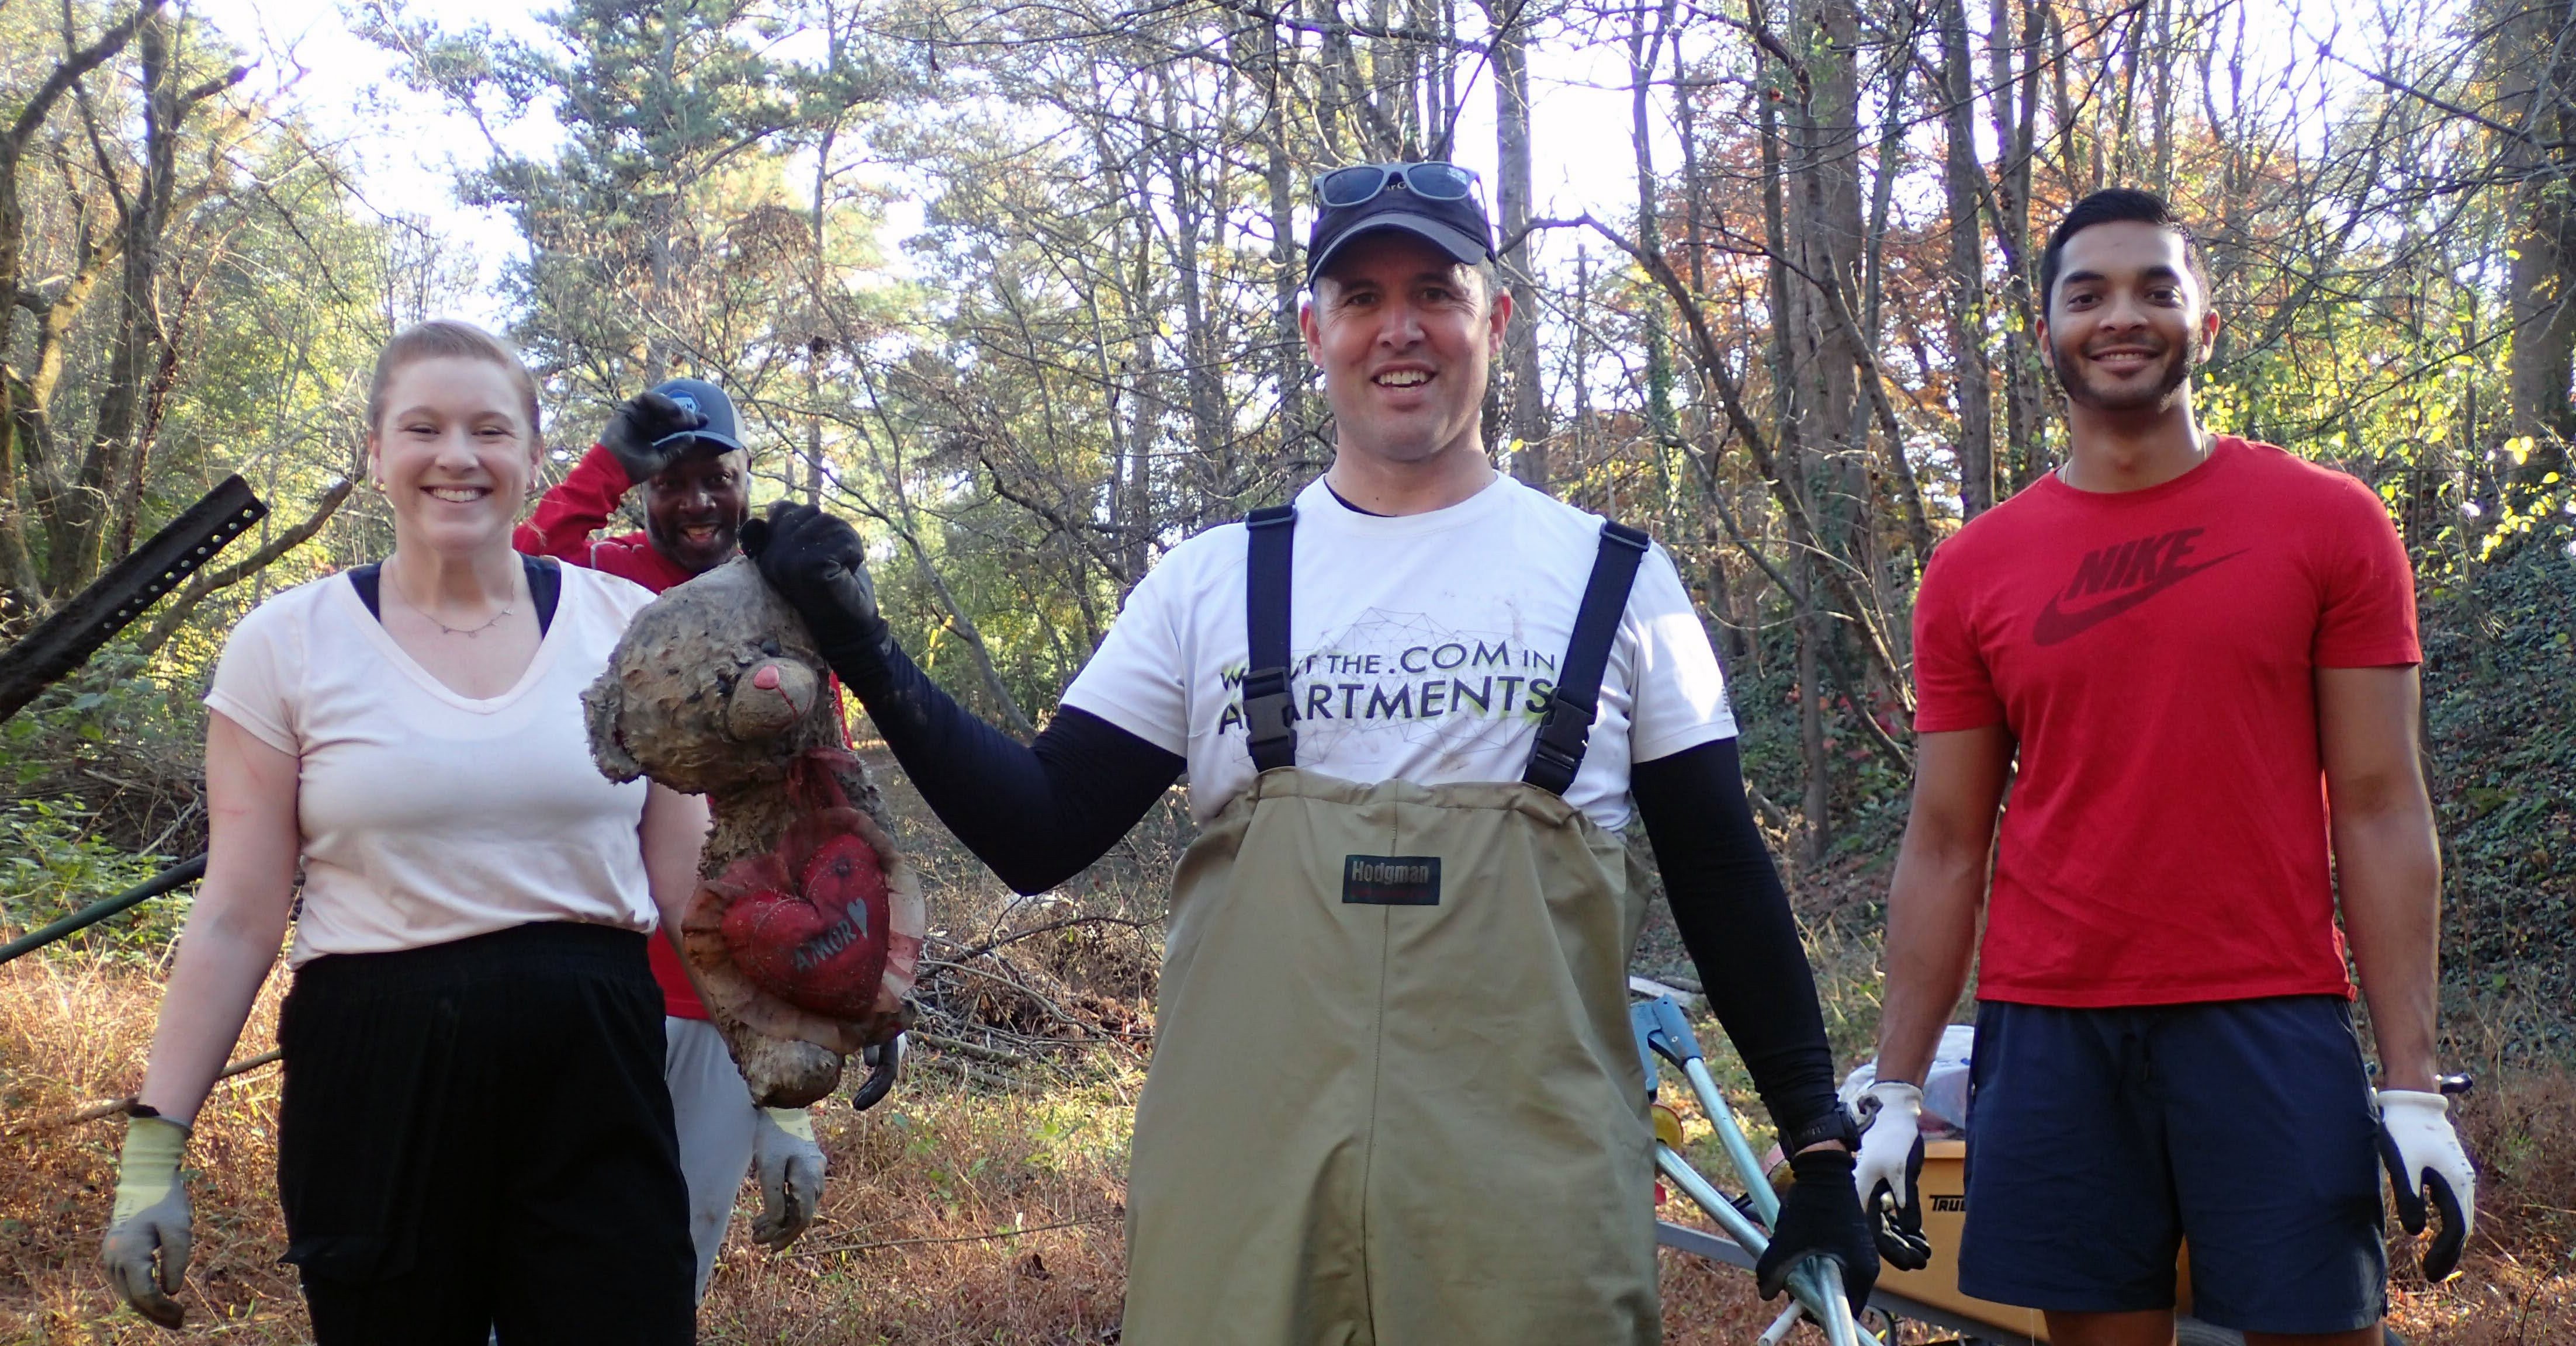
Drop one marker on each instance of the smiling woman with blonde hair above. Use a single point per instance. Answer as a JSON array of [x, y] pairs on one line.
[[473, 1131]]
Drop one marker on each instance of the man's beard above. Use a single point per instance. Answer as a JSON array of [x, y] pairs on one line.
[[2180, 362], [674, 544]]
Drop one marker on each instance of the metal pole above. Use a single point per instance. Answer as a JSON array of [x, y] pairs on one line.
[[1730, 1136], [1812, 1282], [184, 872]]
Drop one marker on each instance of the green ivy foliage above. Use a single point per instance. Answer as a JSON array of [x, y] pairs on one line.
[[54, 860]]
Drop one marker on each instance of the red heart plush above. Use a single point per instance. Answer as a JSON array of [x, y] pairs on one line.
[[824, 948]]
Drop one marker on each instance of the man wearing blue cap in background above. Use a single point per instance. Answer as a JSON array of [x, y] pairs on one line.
[[681, 444], [1394, 1098]]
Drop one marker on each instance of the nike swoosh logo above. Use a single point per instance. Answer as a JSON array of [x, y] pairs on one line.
[[2057, 626]]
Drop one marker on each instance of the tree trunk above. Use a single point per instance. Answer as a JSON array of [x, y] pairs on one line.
[[1817, 803], [1288, 369], [2542, 285], [1965, 178], [2016, 122], [1827, 229], [1530, 425], [24, 429], [1645, 49], [1791, 395], [87, 514], [1825, 224], [2543, 291], [1197, 218]]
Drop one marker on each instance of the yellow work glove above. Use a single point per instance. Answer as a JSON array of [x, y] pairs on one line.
[[151, 1214], [790, 1166]]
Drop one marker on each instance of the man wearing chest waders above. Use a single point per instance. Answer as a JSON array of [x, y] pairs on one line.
[[1394, 1096]]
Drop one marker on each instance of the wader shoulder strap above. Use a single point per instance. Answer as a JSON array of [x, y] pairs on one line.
[[1269, 715], [1566, 731]]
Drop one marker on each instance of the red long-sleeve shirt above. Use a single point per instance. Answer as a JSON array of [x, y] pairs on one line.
[[578, 507], [563, 527]]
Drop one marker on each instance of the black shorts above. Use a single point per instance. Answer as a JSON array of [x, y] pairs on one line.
[[476, 1135], [2100, 1139]]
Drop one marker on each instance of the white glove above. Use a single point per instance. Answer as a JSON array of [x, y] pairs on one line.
[[151, 1216], [790, 1166], [1891, 1160], [2423, 1156]]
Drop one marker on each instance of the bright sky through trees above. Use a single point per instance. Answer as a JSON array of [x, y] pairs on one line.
[[408, 145]]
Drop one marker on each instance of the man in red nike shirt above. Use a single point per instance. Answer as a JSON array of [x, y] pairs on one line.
[[2203, 651], [679, 443]]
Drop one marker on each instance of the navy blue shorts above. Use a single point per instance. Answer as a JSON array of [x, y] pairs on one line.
[[2100, 1139]]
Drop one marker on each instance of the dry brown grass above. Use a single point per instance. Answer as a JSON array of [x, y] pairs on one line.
[[915, 1242], [905, 1250], [75, 1032]]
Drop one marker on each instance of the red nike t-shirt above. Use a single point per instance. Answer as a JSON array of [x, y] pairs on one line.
[[2153, 654]]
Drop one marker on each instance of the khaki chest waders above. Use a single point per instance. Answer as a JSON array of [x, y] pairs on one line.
[[1394, 1098]]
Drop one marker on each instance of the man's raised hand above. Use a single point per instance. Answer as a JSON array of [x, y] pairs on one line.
[[643, 434]]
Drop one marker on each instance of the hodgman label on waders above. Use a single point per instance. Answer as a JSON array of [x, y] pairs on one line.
[[1391, 880]]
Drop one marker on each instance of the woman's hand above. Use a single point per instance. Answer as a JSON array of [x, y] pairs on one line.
[[151, 1217]]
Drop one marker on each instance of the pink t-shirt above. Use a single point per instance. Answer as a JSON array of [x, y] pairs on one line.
[[565, 526], [427, 816], [2154, 655]]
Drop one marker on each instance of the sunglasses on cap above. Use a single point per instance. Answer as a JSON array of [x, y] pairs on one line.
[[1360, 183]]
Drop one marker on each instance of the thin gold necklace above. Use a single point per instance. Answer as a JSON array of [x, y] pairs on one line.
[[443, 628]]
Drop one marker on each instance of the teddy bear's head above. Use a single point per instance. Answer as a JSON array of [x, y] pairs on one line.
[[716, 686]]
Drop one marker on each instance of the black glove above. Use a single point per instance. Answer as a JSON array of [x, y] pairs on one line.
[[640, 434], [817, 564], [1820, 1215]]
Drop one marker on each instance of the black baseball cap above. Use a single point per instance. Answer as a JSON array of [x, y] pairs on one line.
[[1457, 227], [709, 401]]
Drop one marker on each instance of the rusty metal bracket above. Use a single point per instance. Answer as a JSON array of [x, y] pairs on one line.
[[67, 639]]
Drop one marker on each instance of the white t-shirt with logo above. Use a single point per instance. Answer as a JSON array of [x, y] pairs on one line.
[[426, 816], [1423, 648]]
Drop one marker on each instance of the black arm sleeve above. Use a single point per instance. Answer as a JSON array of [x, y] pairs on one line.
[[1734, 918], [1036, 813]]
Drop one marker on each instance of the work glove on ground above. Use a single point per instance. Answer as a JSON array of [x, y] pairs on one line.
[[2424, 1160], [790, 1166], [643, 431], [151, 1215], [1820, 1217], [817, 564], [1889, 1173]]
